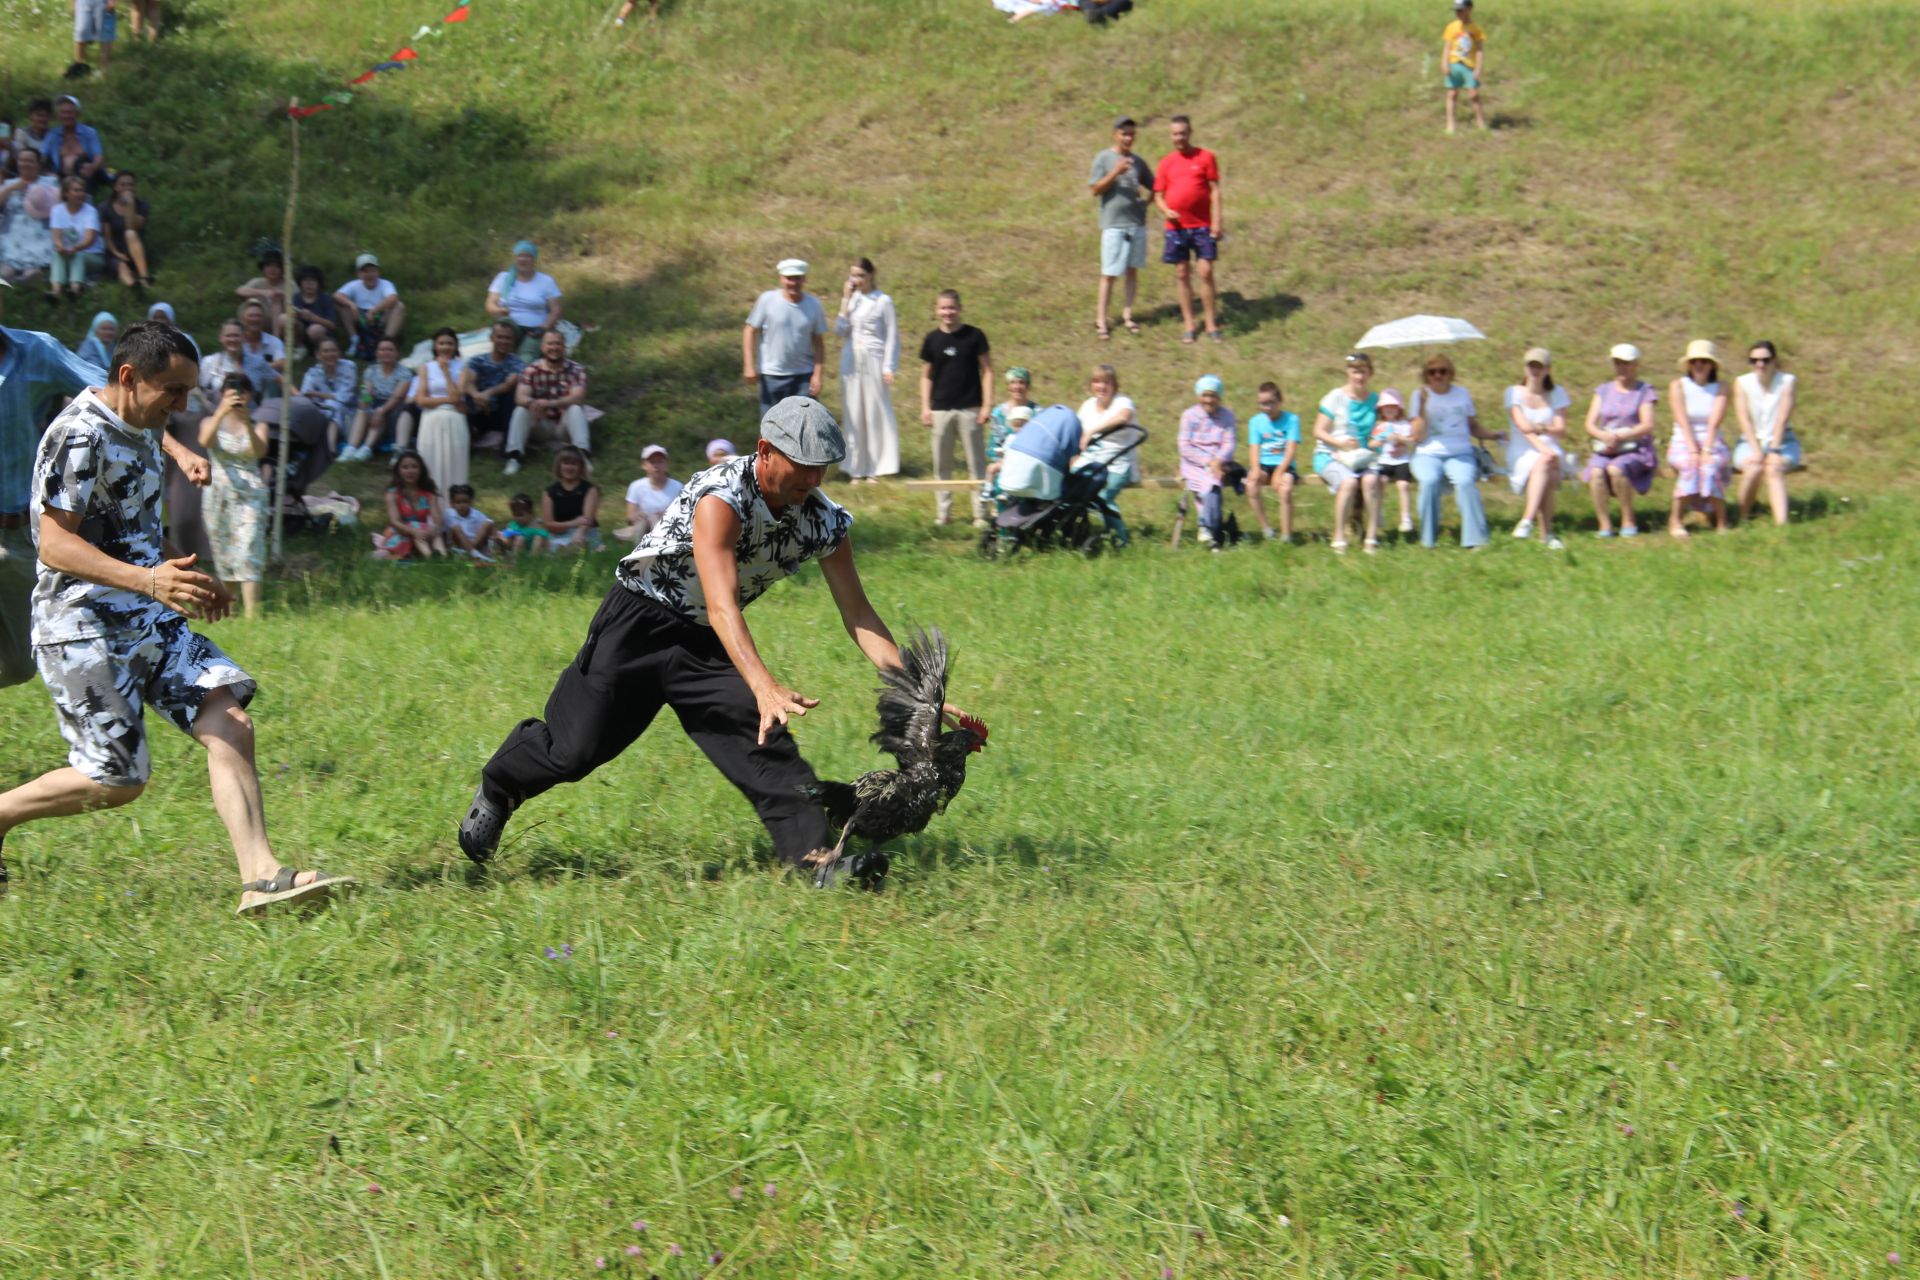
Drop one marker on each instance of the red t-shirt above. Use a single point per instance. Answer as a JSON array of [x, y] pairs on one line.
[[1184, 182]]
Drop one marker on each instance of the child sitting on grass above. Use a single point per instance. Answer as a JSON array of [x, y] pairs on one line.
[[523, 531], [469, 529]]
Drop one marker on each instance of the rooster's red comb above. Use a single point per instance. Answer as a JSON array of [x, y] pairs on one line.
[[979, 727]]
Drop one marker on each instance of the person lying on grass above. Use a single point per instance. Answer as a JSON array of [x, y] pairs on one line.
[[109, 632], [672, 632]]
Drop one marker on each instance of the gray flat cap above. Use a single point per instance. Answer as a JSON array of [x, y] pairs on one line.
[[801, 428]]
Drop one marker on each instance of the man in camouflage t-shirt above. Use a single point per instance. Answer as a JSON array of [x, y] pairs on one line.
[[109, 635]]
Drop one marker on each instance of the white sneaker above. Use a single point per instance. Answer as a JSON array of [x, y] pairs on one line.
[[1269, 534], [1205, 536], [1524, 529], [1339, 547], [1554, 544], [1406, 526], [512, 467]]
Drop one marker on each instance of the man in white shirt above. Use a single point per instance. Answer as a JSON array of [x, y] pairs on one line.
[[370, 306]]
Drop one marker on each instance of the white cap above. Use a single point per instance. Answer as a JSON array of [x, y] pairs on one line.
[[792, 267], [1020, 413], [1625, 351], [652, 449]]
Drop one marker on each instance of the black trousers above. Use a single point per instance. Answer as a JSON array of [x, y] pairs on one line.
[[638, 658]]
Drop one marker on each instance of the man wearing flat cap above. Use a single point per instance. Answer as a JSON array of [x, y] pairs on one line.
[[671, 633]]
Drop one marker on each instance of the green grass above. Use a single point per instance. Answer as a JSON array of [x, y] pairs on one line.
[[1505, 914]]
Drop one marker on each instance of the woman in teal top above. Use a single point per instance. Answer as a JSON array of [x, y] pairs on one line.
[[1343, 454]]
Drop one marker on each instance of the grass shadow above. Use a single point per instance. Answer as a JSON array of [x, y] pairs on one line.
[[1239, 314], [1501, 121]]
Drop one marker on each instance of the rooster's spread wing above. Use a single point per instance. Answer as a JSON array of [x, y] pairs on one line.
[[911, 697]]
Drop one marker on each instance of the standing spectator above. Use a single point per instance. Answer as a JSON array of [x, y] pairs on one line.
[[1699, 405], [103, 331], [237, 500], [269, 288], [1343, 453], [1273, 444], [1445, 425], [1103, 410], [553, 397], [330, 383], [26, 204], [72, 148], [628, 6], [1207, 439], [93, 23], [525, 296], [868, 362], [570, 506], [956, 382], [1188, 190], [143, 18], [1764, 401], [1123, 184], [385, 384], [784, 345], [1463, 51], [371, 307], [316, 316], [649, 496], [123, 221], [1620, 424], [266, 354], [76, 238], [493, 382], [1536, 459], [444, 441]]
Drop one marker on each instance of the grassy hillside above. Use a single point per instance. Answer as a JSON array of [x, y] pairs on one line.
[[1505, 915]]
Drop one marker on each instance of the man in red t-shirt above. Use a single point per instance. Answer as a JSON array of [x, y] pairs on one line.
[[1187, 189]]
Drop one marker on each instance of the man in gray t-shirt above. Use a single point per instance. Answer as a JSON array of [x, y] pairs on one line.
[[784, 346], [1123, 184]]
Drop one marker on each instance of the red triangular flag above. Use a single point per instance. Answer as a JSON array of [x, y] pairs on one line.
[[301, 113], [404, 55], [365, 76], [459, 15]]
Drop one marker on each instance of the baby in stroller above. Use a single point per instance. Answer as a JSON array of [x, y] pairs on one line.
[[1057, 477]]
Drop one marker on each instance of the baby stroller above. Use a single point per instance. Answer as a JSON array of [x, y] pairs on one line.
[[1059, 509]]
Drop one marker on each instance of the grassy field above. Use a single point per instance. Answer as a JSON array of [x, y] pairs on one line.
[[1505, 914]]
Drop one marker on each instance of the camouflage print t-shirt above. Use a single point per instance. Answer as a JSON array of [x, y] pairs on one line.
[[94, 463], [770, 547]]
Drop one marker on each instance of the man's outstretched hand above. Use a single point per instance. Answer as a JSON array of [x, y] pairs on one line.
[[777, 703]]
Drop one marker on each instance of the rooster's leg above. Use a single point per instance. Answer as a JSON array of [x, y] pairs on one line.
[[827, 864]]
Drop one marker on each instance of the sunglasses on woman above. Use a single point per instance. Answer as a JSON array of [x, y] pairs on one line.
[[1759, 359]]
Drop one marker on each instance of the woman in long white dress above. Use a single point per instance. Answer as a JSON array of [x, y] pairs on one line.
[[443, 442], [868, 363]]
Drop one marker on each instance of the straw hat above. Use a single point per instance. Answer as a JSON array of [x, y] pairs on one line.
[[1700, 349]]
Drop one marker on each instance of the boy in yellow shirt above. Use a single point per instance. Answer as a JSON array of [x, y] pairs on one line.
[[1463, 50]]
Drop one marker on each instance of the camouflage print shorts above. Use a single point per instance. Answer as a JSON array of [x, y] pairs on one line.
[[100, 685]]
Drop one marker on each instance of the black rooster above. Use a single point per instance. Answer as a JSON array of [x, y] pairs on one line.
[[887, 803]]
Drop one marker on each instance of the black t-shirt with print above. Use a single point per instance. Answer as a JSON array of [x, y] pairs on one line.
[[955, 358]]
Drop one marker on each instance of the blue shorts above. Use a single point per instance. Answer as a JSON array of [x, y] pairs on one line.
[[1183, 243], [1122, 249], [1460, 76], [92, 21]]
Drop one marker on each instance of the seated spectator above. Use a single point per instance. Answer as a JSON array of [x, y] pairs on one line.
[[444, 440], [269, 288], [1207, 437], [719, 449], [370, 306], [384, 386], [649, 496], [26, 204], [123, 220], [570, 507], [1620, 425], [330, 383], [493, 380], [305, 428], [469, 529], [1395, 464], [76, 239], [1768, 449], [266, 354], [33, 135], [1445, 425], [72, 149], [416, 522], [229, 358], [164, 311], [552, 396], [1343, 454], [1038, 454], [1536, 458], [97, 347], [999, 423], [1006, 426], [525, 297], [1697, 452], [1273, 447], [522, 532], [1103, 410], [315, 314]]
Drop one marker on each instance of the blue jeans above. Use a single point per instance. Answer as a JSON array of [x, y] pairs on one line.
[[1208, 505], [775, 387], [1462, 474]]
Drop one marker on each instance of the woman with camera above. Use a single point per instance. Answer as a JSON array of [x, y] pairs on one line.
[[238, 496]]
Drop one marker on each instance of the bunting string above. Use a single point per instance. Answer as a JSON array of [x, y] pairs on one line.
[[401, 58]]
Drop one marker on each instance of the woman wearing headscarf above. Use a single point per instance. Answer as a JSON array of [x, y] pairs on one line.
[[164, 311], [97, 347], [526, 296]]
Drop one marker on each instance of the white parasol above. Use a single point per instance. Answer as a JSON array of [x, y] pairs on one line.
[[1419, 331]]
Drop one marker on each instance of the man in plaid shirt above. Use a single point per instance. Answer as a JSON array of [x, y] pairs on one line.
[[551, 401]]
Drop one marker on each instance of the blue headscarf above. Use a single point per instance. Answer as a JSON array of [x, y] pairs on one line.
[[91, 349]]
